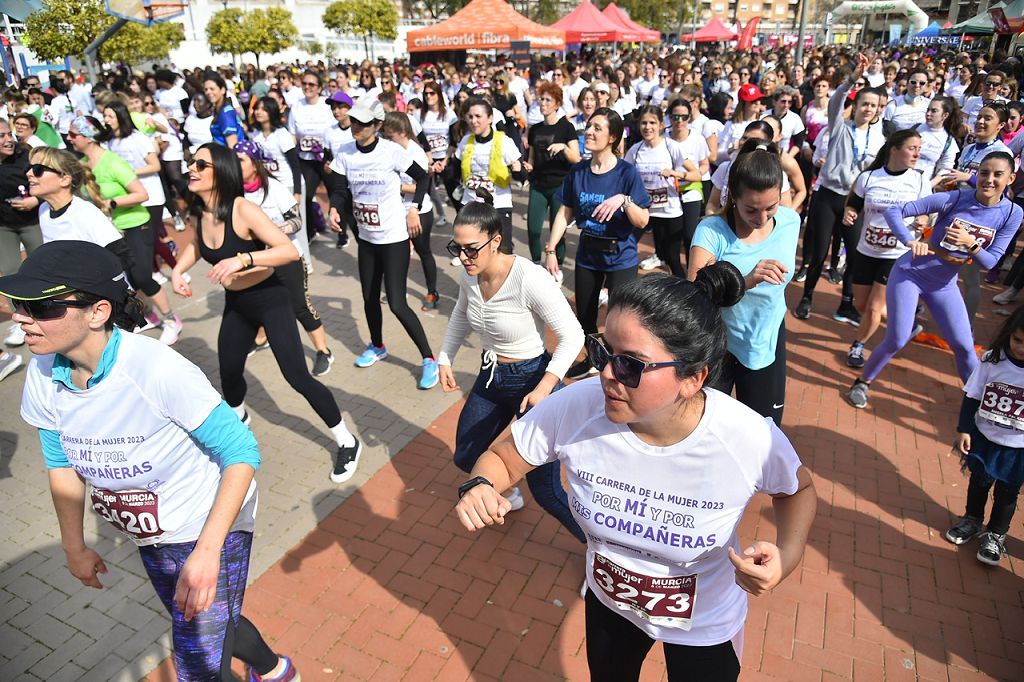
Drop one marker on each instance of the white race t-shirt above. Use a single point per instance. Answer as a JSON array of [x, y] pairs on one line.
[[905, 115], [659, 520], [374, 178], [478, 176], [882, 190], [173, 151], [792, 124], [278, 143], [435, 128], [198, 131], [80, 220], [134, 149], [1000, 388], [275, 202], [650, 162], [128, 437], [420, 157], [938, 151], [169, 101], [309, 124], [695, 148]]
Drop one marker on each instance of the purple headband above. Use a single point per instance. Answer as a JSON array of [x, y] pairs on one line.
[[253, 150]]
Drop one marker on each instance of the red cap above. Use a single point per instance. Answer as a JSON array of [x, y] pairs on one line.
[[750, 93]]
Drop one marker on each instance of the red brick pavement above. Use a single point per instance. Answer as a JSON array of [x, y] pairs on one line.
[[389, 586]]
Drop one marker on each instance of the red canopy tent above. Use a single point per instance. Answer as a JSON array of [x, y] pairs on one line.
[[483, 25], [642, 35], [714, 32], [586, 24]]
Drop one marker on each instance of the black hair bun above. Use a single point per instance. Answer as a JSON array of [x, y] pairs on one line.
[[722, 283]]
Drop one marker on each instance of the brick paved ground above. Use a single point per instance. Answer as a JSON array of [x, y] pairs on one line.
[[388, 586]]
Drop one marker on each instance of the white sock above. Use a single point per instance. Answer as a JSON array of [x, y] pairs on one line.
[[240, 410], [342, 435]]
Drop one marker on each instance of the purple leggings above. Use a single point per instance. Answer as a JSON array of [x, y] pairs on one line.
[[934, 280]]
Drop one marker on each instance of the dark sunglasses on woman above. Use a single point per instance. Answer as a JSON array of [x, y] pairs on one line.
[[626, 369], [47, 308]]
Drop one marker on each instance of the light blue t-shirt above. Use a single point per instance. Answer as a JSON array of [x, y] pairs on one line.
[[752, 325]]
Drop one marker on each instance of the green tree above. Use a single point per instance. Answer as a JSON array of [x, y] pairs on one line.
[[365, 19], [225, 32], [65, 28], [437, 9], [546, 12], [311, 47], [136, 43], [268, 31]]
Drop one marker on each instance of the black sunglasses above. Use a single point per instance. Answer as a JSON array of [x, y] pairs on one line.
[[201, 164], [37, 169], [47, 308], [626, 369], [471, 251], [992, 84], [680, 117]]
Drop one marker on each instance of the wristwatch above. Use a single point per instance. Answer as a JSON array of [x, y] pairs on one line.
[[627, 202], [975, 248], [113, 204], [472, 483]]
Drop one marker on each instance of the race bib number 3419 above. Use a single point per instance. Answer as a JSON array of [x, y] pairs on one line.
[[664, 601]]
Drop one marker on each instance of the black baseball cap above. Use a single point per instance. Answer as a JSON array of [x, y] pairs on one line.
[[61, 267]]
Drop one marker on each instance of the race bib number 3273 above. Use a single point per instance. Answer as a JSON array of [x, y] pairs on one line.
[[133, 512], [664, 601]]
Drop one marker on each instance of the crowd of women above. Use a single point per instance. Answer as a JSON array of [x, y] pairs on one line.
[[902, 166]]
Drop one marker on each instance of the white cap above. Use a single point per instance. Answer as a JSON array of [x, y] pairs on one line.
[[367, 110]]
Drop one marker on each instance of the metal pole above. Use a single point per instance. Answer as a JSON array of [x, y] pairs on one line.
[[800, 33], [693, 36], [94, 47]]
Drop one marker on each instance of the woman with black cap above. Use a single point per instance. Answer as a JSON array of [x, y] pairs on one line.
[[174, 473]]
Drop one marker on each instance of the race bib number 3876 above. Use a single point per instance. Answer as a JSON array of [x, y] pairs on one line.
[[133, 512], [664, 601]]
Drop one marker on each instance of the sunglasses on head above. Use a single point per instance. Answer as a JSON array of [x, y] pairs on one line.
[[471, 251], [37, 169], [626, 369], [201, 164], [47, 308]]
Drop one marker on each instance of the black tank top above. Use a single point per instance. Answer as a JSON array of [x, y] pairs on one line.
[[232, 246]]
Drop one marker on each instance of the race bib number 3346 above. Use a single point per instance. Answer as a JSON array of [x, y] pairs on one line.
[[664, 601]]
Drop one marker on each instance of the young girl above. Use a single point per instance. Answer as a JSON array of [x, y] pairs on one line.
[[890, 181], [990, 441], [974, 225]]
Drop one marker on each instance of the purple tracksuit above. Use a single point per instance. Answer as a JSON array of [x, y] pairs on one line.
[[934, 279]]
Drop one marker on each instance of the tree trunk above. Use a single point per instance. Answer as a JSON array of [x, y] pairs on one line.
[[366, 47]]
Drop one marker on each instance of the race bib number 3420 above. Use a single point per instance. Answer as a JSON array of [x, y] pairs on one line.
[[133, 512], [664, 601]]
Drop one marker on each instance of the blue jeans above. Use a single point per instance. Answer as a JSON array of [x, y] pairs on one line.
[[489, 409]]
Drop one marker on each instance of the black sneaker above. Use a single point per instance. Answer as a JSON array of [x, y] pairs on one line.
[[322, 364], [834, 276], [342, 240], [855, 356], [801, 274], [848, 314], [991, 549], [258, 347], [580, 370], [347, 462], [964, 530], [803, 308]]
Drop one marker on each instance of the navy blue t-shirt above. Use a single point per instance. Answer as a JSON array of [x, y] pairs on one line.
[[583, 191]]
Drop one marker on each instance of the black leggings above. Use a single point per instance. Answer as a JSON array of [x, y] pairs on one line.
[[174, 183], [762, 390], [245, 643], [141, 241], [313, 176], [422, 246], [673, 234], [1004, 499], [588, 289], [388, 263], [824, 218], [267, 305], [616, 650], [296, 281], [506, 230]]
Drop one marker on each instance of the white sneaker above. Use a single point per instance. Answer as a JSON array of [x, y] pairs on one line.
[[160, 278], [11, 362], [651, 262], [15, 337], [602, 298], [515, 498], [170, 331], [179, 224], [559, 277], [1004, 297]]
